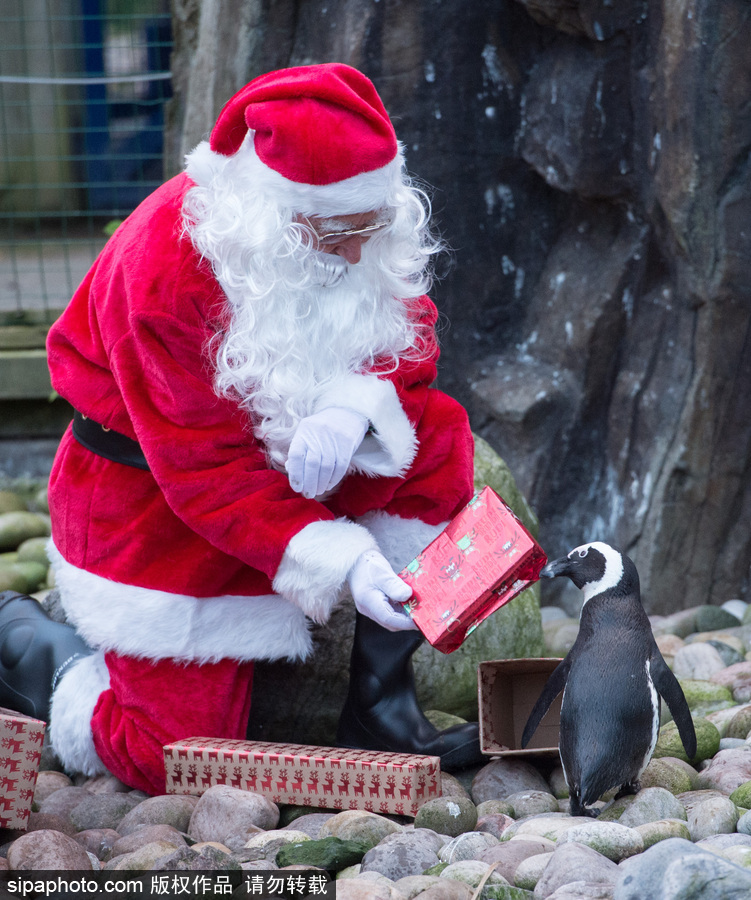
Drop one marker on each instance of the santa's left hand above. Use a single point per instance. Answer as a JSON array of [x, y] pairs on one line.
[[322, 448]]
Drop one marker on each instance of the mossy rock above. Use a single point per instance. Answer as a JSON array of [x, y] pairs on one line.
[[447, 815], [740, 725], [704, 694], [675, 775], [741, 796], [34, 550], [714, 618], [17, 527], [24, 577], [330, 853], [707, 742], [11, 502]]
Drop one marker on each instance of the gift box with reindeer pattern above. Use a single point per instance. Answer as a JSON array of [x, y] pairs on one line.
[[481, 560], [21, 740], [302, 775]]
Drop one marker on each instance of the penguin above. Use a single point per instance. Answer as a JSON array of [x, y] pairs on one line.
[[612, 679]]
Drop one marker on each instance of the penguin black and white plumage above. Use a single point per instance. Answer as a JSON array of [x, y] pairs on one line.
[[612, 679]]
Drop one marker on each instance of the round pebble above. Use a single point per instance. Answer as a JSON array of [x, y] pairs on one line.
[[47, 850], [359, 825], [231, 816], [447, 815]]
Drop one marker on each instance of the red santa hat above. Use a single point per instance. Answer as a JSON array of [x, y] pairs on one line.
[[319, 136]]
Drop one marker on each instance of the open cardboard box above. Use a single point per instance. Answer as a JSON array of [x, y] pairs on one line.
[[507, 691]]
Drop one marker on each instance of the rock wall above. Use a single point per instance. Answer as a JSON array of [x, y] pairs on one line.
[[591, 172]]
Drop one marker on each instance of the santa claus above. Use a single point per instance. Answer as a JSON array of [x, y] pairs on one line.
[[250, 361]]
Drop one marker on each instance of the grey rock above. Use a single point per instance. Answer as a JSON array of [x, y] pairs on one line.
[[167, 809], [661, 830], [472, 872], [575, 862], [494, 823], [510, 854], [717, 815], [531, 803], [470, 845], [102, 810], [699, 661], [147, 834], [611, 839], [582, 890], [98, 841], [506, 776], [729, 655], [63, 801], [311, 823], [47, 783], [399, 857], [412, 885], [529, 871], [714, 618], [676, 869], [47, 850], [143, 858], [39, 821], [652, 804], [231, 816], [671, 773], [728, 770], [743, 825]]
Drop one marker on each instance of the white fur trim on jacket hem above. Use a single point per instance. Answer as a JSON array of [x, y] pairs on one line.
[[400, 540], [70, 717], [360, 193], [151, 624], [390, 449], [317, 561]]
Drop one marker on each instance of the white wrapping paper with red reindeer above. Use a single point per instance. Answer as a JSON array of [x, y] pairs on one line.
[[302, 775], [481, 560], [21, 740]]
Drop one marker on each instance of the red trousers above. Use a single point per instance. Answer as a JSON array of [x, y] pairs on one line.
[[150, 704]]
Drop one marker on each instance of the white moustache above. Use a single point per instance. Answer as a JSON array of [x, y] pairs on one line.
[[325, 269]]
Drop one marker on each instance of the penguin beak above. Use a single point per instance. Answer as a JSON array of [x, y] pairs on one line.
[[556, 567]]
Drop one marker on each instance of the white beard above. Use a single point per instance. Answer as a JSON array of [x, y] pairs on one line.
[[280, 352]]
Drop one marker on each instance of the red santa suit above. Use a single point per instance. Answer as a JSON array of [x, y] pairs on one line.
[[180, 576]]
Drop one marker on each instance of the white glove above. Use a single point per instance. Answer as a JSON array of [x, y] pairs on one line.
[[322, 448], [374, 584]]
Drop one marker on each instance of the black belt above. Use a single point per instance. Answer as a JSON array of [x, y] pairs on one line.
[[107, 443]]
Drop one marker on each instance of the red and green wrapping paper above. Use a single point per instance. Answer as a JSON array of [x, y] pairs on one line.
[[482, 559]]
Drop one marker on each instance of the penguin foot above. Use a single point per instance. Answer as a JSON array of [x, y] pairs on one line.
[[628, 789], [577, 808]]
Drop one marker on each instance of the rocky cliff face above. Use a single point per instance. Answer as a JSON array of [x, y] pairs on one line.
[[591, 168]]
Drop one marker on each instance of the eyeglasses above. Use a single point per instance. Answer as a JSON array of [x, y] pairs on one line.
[[334, 237]]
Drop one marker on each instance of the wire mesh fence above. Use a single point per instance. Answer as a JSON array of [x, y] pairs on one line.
[[83, 88]]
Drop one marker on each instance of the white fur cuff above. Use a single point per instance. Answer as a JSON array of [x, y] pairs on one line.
[[390, 449], [70, 718], [316, 563], [151, 624]]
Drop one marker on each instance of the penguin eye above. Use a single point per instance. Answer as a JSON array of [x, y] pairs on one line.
[[583, 553]]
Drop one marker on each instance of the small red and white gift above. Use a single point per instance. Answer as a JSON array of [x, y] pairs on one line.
[[302, 775], [21, 740], [481, 560]]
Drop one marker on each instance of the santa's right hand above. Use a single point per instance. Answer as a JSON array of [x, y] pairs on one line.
[[374, 586]]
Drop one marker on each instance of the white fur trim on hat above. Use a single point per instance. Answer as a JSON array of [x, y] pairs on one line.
[[151, 624], [391, 447], [400, 540], [360, 193], [317, 561], [70, 717]]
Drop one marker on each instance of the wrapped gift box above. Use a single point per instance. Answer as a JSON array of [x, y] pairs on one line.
[[507, 690], [479, 562], [21, 740], [320, 777]]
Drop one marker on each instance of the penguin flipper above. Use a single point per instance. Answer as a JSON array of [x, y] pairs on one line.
[[554, 685], [668, 687]]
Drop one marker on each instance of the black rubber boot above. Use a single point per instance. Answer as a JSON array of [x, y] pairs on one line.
[[35, 652], [381, 711]]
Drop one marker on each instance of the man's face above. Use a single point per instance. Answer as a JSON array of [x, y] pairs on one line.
[[334, 233]]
